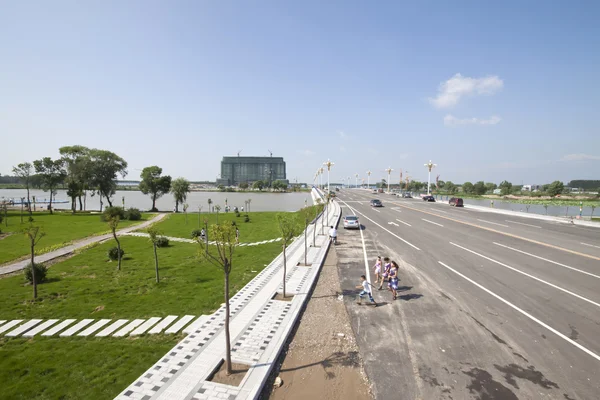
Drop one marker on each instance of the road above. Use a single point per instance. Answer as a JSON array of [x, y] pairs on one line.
[[491, 306]]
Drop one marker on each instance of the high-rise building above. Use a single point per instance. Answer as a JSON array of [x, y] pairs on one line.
[[235, 170]]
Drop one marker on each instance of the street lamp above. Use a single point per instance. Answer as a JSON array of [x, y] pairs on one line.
[[389, 171], [348, 182], [328, 164], [429, 166], [321, 170], [356, 184], [369, 179]]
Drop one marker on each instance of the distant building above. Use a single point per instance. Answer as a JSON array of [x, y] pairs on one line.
[[497, 191], [531, 188], [235, 170]]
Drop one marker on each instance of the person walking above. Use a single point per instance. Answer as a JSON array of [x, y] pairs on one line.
[[333, 234], [377, 270], [393, 280], [366, 290], [386, 271]]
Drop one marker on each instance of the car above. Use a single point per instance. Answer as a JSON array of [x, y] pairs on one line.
[[332, 194], [429, 198], [376, 203], [337, 189], [456, 202], [406, 195], [351, 222]]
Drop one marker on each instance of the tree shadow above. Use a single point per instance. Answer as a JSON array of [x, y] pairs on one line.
[[349, 359]]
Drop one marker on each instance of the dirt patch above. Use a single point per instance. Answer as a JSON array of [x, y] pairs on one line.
[[5, 235], [279, 296], [237, 374], [99, 308], [321, 361]]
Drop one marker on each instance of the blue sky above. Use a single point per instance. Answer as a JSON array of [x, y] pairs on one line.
[[508, 90]]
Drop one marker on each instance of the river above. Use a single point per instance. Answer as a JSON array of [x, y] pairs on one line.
[[258, 201]]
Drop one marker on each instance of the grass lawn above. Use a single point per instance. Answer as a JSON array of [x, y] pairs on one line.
[[262, 225], [60, 228], [76, 368]]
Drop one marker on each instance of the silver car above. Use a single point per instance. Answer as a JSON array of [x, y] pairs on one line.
[[351, 222]]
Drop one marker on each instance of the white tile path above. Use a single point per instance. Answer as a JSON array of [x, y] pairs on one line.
[[158, 328], [145, 326], [88, 331], [9, 325], [185, 240], [76, 328], [129, 327], [24, 328], [111, 328], [196, 324], [42, 327], [180, 324], [59, 327], [2, 321]]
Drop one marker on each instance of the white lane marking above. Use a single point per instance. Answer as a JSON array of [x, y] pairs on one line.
[[396, 209], [545, 259], [387, 230], [591, 245], [393, 223], [405, 223], [374, 209], [534, 319], [431, 222], [520, 223], [362, 238], [528, 275], [445, 212], [493, 223]]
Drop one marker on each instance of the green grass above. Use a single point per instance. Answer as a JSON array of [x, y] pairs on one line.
[[75, 368], [60, 229]]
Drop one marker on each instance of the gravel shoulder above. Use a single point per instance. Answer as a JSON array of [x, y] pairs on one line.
[[322, 359]]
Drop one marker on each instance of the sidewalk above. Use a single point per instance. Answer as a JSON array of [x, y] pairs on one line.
[[259, 328], [19, 265]]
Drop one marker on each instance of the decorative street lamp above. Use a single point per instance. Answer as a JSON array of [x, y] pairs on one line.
[[348, 182], [429, 166], [356, 184], [321, 170], [389, 171], [328, 164], [369, 179]]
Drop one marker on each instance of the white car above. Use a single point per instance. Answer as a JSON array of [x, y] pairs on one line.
[[351, 222]]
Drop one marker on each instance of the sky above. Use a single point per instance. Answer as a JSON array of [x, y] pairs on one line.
[[486, 90]]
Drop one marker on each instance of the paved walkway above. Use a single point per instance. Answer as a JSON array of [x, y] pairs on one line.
[[184, 240], [19, 265]]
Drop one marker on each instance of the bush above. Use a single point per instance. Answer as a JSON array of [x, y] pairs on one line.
[[40, 273], [196, 233], [133, 214], [237, 214], [113, 253], [246, 218], [162, 241], [112, 212]]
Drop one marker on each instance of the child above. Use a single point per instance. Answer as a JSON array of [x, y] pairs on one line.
[[386, 271], [393, 281], [366, 290], [377, 270]]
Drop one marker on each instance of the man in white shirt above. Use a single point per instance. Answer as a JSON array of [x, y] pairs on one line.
[[333, 234]]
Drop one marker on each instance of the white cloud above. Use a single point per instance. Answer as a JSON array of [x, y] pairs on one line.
[[451, 91], [451, 120], [579, 157], [342, 135], [307, 153]]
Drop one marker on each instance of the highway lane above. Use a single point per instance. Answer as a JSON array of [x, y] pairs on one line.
[[461, 341]]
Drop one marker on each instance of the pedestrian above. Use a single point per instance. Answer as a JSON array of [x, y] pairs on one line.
[[203, 234], [237, 235], [333, 234], [242, 208], [393, 280], [386, 271], [377, 270], [366, 290]]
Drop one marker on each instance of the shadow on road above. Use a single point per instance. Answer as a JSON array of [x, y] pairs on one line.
[[349, 359]]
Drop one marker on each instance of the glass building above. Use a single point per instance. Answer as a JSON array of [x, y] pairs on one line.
[[235, 170]]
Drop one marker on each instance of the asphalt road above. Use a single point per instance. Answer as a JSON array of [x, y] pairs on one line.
[[491, 306]]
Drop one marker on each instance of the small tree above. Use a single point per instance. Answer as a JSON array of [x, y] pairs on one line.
[[593, 208], [224, 237], [209, 204], [258, 185], [34, 234], [244, 185], [479, 188], [217, 209], [305, 213], [112, 215], [288, 229], [23, 172], [555, 188], [180, 188], [467, 187], [154, 184], [248, 201], [505, 187], [154, 238], [51, 173]]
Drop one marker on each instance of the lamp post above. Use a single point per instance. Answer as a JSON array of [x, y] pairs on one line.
[[368, 179], [356, 183], [429, 166], [348, 182], [328, 164], [389, 171]]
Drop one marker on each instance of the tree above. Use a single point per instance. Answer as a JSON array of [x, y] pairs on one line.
[[505, 187], [288, 229], [78, 165], [555, 188], [209, 204], [217, 209], [154, 184], [490, 187], [258, 185], [180, 187], [225, 243], [243, 185], [479, 188], [305, 213], [439, 184], [105, 166], [23, 172], [112, 215], [450, 187], [467, 187], [154, 237], [52, 173], [34, 234]]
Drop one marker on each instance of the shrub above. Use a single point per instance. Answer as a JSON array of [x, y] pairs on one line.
[[196, 233], [246, 218], [113, 211], [40, 273], [133, 214], [162, 241], [237, 214], [113, 253]]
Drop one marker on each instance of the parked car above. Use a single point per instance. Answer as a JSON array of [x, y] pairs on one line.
[[376, 203], [406, 195], [351, 222], [337, 189], [456, 202], [429, 198]]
